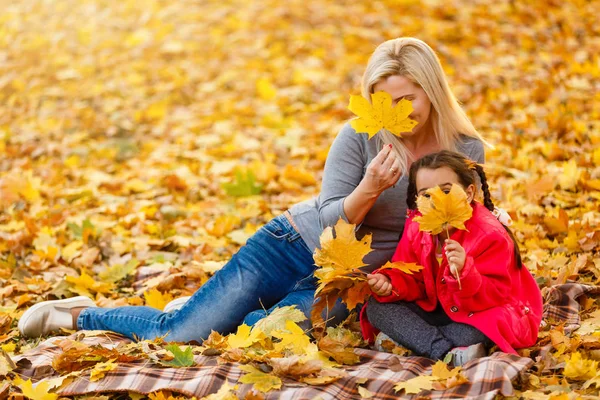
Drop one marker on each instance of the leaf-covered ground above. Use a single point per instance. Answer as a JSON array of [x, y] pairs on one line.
[[148, 136]]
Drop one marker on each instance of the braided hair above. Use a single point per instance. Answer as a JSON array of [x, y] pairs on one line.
[[465, 169]]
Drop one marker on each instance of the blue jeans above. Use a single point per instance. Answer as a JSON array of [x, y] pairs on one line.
[[274, 269]]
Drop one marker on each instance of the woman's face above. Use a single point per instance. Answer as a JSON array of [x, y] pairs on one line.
[[443, 177], [400, 87]]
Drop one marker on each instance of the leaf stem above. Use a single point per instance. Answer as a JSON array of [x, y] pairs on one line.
[[453, 270]]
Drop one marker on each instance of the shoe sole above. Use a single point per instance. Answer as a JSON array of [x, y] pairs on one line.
[[176, 304], [79, 301]]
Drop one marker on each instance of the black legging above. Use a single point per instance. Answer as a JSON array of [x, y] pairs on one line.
[[428, 334]]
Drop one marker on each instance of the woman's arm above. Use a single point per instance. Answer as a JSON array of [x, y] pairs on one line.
[[350, 188]]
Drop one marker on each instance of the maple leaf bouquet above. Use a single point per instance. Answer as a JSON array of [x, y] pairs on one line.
[[339, 273]]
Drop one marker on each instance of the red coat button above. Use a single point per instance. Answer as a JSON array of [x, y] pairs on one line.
[[443, 280], [454, 309]]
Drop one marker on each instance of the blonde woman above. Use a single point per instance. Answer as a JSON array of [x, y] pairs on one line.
[[364, 182]]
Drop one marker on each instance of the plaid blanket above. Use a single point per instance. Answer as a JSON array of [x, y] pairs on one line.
[[487, 377]]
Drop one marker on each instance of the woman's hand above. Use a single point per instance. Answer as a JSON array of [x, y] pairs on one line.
[[380, 284], [456, 256], [383, 171]]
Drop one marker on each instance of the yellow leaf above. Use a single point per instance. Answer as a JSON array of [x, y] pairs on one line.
[[407, 268], [154, 298], [85, 285], [580, 369], [223, 225], [101, 369], [379, 114], [265, 89], [440, 370], [295, 339], [342, 254], [262, 381], [245, 337], [40, 392], [441, 210], [593, 381], [277, 320], [570, 176], [415, 385], [365, 393], [71, 251], [300, 175]]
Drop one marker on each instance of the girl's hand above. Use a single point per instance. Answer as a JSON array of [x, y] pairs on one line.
[[383, 171], [380, 284], [456, 256]]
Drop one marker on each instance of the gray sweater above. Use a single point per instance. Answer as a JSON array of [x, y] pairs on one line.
[[348, 158]]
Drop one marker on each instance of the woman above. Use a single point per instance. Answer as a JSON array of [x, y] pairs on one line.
[[364, 182]]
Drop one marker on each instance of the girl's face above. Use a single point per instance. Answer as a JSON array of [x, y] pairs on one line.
[[443, 177], [400, 87]]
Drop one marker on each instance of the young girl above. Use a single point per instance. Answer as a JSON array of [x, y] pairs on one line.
[[498, 301]]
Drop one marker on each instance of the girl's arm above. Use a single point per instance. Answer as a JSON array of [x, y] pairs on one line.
[[404, 286], [485, 276]]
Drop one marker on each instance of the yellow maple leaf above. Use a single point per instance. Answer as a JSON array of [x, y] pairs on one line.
[[295, 339], [154, 298], [407, 268], [262, 381], [579, 368], [339, 276], [245, 337], [379, 114], [40, 392], [85, 285], [100, 370], [415, 385], [340, 255], [440, 370], [439, 211]]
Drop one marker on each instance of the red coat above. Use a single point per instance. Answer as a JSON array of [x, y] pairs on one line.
[[497, 298]]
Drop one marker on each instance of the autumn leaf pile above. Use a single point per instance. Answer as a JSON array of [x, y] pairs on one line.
[[141, 143]]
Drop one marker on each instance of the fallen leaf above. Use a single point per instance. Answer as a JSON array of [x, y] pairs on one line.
[[260, 380]]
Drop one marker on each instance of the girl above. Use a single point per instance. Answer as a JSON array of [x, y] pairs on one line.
[[498, 302]]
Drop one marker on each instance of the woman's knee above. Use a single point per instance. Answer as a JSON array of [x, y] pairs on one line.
[[253, 317]]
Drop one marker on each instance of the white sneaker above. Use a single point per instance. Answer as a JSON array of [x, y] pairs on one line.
[[462, 355], [48, 316], [176, 304]]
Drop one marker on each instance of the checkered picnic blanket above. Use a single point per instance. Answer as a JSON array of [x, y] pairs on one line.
[[487, 377]]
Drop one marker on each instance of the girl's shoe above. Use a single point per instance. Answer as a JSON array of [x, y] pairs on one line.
[[176, 304], [462, 355], [49, 316]]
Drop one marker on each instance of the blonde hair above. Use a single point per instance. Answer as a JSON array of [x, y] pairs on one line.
[[415, 60]]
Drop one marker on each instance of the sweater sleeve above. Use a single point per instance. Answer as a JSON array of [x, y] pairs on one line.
[[404, 286], [477, 153], [343, 172], [485, 278]]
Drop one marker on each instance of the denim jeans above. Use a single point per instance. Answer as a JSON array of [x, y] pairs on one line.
[[274, 269]]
